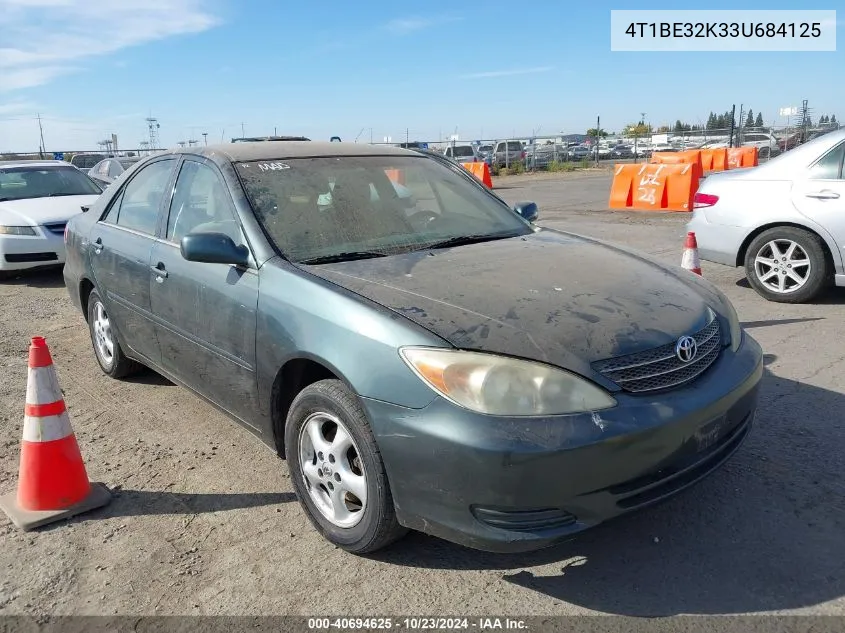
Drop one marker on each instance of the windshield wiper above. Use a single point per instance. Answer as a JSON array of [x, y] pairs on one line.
[[342, 257], [57, 195], [461, 240]]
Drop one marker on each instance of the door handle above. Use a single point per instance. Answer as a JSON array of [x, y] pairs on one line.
[[160, 272], [98, 246], [823, 195]]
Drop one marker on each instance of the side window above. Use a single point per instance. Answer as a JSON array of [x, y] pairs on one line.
[[830, 165], [201, 203], [141, 199]]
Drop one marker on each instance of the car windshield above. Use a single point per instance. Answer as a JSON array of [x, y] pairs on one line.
[[19, 183], [334, 208]]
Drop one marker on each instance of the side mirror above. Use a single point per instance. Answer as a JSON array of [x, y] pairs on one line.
[[527, 210], [213, 248]]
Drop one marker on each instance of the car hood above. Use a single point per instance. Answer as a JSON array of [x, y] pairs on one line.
[[36, 211], [551, 296]]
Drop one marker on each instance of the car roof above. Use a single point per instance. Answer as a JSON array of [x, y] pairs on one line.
[[238, 152], [35, 164]]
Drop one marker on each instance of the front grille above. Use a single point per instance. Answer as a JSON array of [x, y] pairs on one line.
[[57, 228], [31, 257], [660, 368], [524, 520]]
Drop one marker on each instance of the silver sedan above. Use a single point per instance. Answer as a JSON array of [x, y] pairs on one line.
[[784, 220]]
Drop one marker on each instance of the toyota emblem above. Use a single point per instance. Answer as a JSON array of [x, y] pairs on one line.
[[686, 348]]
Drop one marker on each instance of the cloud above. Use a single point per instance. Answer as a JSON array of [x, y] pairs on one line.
[[403, 26], [508, 73], [43, 39]]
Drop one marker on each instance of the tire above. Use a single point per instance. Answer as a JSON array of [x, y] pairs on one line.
[[317, 408], [809, 247], [119, 365]]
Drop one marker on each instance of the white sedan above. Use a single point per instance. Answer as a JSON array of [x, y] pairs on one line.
[[37, 198], [784, 220]]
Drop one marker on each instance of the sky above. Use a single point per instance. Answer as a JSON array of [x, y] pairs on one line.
[[369, 70]]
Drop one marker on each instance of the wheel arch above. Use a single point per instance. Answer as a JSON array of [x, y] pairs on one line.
[[85, 288], [743, 249], [293, 376]]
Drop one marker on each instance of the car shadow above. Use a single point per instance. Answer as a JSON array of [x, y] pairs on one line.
[[128, 503], [46, 278], [750, 325], [832, 295], [149, 377], [762, 533]]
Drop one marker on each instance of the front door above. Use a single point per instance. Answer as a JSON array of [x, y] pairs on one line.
[[821, 197], [121, 243], [206, 313]]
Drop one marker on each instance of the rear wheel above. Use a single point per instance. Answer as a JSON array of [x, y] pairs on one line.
[[337, 470], [787, 265], [109, 354]]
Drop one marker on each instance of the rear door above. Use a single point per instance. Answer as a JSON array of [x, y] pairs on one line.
[[206, 313], [121, 243], [821, 196]]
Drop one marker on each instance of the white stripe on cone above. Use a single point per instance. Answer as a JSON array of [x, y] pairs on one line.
[[42, 385], [46, 429], [690, 259]]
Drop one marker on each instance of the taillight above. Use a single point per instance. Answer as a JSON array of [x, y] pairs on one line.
[[704, 200]]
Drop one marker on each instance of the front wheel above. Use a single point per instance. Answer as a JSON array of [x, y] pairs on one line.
[[337, 470], [787, 265]]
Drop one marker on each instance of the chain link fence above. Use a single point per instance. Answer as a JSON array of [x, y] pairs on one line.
[[561, 152]]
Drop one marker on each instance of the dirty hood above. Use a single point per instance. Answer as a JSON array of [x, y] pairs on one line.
[[548, 296]]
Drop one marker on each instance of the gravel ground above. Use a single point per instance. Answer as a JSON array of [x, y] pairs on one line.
[[204, 520]]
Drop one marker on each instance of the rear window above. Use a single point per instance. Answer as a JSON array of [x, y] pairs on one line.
[[464, 150], [514, 146]]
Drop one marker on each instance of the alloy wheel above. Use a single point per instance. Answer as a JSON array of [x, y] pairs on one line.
[[332, 469], [782, 266], [103, 337]]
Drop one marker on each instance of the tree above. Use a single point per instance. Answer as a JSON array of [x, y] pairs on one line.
[[833, 120], [594, 132], [711, 121], [637, 129], [759, 121], [823, 119], [749, 122]]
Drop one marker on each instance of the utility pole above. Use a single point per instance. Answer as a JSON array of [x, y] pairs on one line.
[[243, 134], [598, 136], [205, 137], [406, 136], [41, 147], [739, 131], [733, 120]]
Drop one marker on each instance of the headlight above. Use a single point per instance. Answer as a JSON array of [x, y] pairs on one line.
[[497, 385], [17, 230]]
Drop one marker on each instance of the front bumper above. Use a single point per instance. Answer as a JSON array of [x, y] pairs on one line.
[[519, 484], [23, 252]]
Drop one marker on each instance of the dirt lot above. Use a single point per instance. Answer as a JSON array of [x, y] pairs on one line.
[[204, 520]]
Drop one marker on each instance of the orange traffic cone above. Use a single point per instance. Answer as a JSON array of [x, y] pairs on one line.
[[690, 260], [52, 482]]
